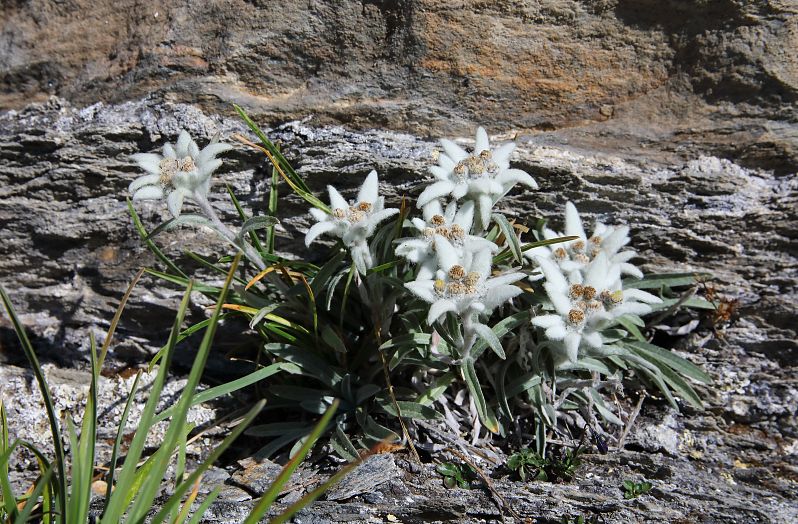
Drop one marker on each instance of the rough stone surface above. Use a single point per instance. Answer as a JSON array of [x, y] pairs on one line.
[[721, 75], [69, 250]]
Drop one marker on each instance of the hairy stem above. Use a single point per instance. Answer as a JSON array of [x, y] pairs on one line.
[[226, 232]]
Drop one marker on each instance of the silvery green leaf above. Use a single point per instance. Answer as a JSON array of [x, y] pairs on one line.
[[490, 338], [255, 223]]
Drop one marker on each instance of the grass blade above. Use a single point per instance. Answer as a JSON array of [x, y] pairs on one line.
[[176, 428], [271, 494], [117, 506], [30, 354]]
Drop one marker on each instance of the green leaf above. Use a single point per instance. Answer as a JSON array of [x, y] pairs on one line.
[[472, 382], [342, 445], [490, 338], [150, 244], [252, 236], [411, 410], [659, 280], [630, 326], [33, 500], [230, 387], [693, 302], [212, 458], [255, 223], [522, 384], [332, 339], [658, 354], [178, 426], [500, 329], [447, 469], [311, 364], [510, 237], [406, 340], [182, 220], [120, 433]]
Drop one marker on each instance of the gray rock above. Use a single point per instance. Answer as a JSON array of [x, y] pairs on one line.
[[69, 251]]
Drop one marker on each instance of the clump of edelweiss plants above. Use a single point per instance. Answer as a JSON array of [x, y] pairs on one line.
[[437, 310]]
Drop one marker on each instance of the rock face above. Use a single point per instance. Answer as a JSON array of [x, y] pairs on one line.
[[675, 117], [721, 75]]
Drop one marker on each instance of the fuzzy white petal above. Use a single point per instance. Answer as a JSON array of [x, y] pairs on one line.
[[511, 177], [175, 202], [573, 224], [370, 188], [361, 256], [148, 193], [181, 147], [485, 206], [169, 151], [554, 276], [318, 214], [593, 339], [556, 332], [572, 346], [630, 269], [336, 200], [498, 295], [438, 308], [615, 240], [142, 181], [433, 191], [482, 143], [423, 289], [211, 150], [446, 253], [149, 162], [502, 153], [641, 296], [547, 321], [440, 173], [453, 151], [318, 229]]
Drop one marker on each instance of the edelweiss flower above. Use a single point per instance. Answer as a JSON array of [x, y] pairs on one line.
[[584, 309], [465, 286], [484, 176], [453, 224], [574, 257], [182, 171], [353, 223]]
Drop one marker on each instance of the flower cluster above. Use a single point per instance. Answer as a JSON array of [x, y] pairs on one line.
[[482, 177], [353, 222], [575, 256], [183, 171], [585, 288], [462, 283]]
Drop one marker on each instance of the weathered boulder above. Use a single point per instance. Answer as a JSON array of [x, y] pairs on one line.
[[721, 75]]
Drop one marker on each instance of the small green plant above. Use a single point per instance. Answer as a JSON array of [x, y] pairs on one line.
[[456, 475], [633, 489], [527, 464], [556, 467]]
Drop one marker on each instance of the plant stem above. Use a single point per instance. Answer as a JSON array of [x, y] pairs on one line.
[[226, 232], [469, 337]]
